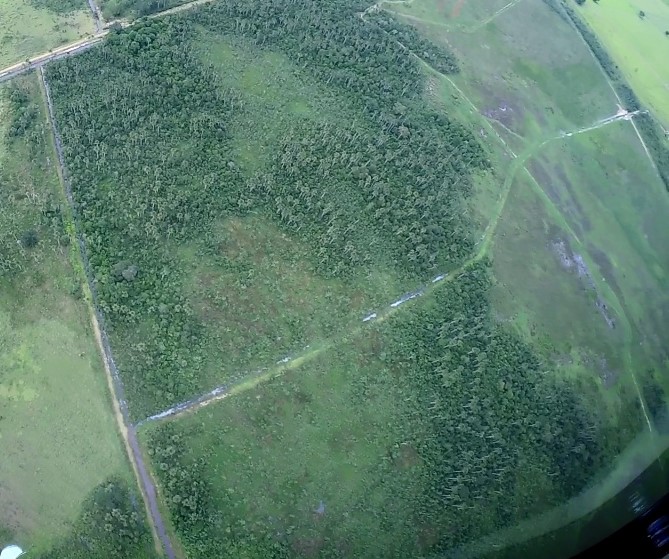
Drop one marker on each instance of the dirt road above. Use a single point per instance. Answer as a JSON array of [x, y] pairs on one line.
[[114, 381], [82, 45]]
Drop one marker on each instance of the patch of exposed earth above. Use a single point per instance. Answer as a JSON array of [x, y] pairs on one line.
[[575, 263]]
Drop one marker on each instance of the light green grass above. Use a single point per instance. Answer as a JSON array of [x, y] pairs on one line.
[[638, 45], [57, 429], [262, 299], [26, 31]]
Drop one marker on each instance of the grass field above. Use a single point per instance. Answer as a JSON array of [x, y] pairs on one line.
[[639, 45], [57, 429], [131, 9], [27, 29], [336, 456]]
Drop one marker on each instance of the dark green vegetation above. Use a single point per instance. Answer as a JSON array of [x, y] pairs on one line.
[[113, 9], [371, 198], [255, 177], [111, 526], [434, 428]]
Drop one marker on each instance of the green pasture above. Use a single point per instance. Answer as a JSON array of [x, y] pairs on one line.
[[639, 45], [31, 28], [523, 84], [133, 9], [57, 429]]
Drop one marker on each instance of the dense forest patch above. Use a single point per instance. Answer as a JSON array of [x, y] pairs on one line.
[[148, 132]]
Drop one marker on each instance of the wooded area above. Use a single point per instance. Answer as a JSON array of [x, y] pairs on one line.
[[148, 145], [150, 157]]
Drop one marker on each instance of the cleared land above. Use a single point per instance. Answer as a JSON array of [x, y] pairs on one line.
[[638, 43], [59, 438], [30, 27]]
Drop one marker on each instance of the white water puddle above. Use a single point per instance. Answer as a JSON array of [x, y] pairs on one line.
[[284, 360], [369, 317], [183, 406], [439, 278], [11, 552], [406, 298]]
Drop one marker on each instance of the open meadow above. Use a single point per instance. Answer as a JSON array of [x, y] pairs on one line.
[[636, 34], [62, 456], [31, 27]]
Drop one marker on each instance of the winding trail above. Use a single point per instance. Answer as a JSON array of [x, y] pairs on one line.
[[128, 432]]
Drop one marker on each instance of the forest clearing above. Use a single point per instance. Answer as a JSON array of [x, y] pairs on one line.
[[378, 281]]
